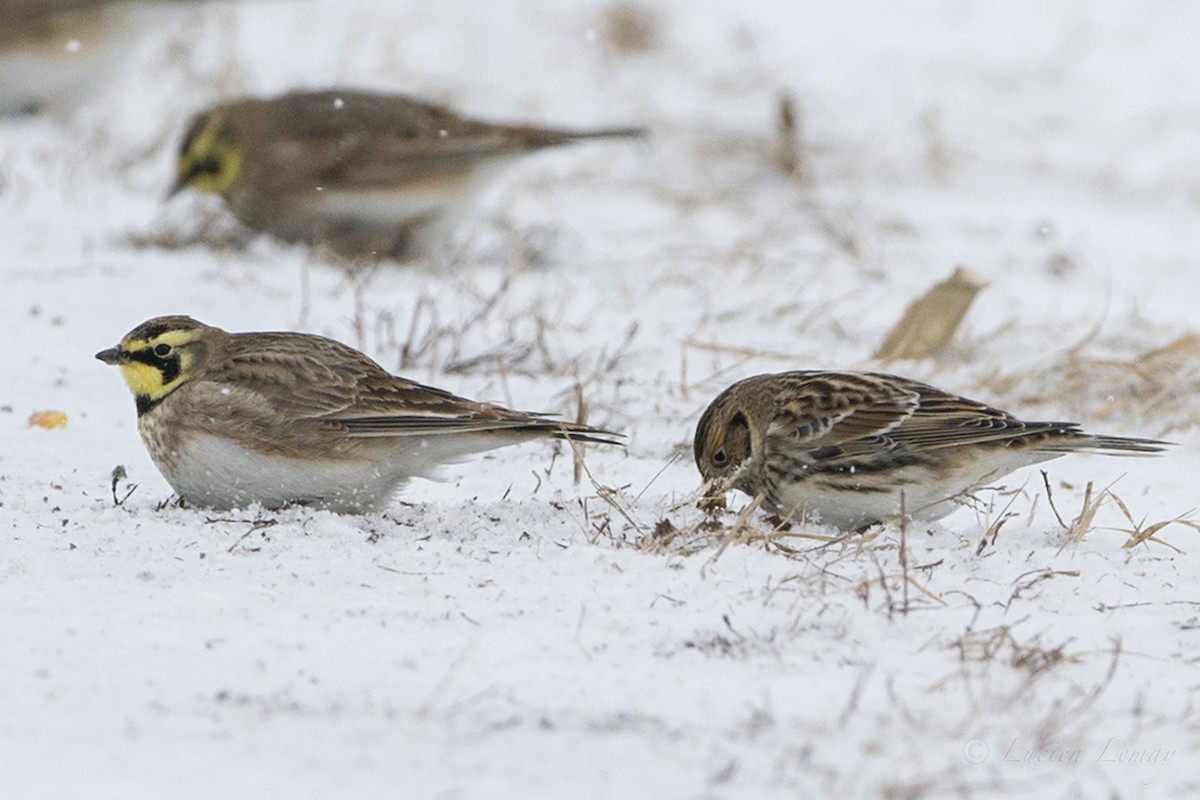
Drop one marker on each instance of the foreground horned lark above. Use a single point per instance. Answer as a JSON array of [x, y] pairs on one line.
[[363, 173], [841, 447], [232, 419]]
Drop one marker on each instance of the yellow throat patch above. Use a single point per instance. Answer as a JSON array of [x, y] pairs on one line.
[[153, 368], [211, 157]]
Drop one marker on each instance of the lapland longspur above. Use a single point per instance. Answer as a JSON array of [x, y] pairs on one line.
[[232, 419], [365, 174], [841, 447]]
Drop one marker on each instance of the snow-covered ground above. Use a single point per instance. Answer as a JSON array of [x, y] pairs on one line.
[[511, 632]]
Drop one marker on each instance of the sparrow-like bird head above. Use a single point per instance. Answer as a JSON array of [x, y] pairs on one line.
[[211, 155], [723, 443], [158, 356]]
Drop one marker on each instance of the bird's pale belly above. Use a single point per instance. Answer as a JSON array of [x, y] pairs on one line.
[[847, 500], [216, 472], [385, 208]]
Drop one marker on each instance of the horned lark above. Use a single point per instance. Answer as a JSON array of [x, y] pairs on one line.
[[365, 174], [842, 447], [232, 419]]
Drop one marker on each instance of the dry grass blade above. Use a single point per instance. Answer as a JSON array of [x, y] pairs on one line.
[[909, 580], [773, 538], [581, 414], [209, 229], [1155, 388], [790, 153], [1083, 523], [737, 532], [1050, 498], [903, 606], [747, 352], [119, 474], [694, 537], [992, 532], [993, 529], [931, 321], [255, 525], [1031, 658], [860, 539], [1140, 533], [1039, 575], [1186, 346], [610, 496], [1138, 536]]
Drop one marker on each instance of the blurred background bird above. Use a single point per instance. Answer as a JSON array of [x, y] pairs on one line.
[[56, 55], [53, 52], [368, 175]]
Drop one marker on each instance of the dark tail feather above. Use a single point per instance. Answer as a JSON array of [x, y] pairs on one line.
[[609, 133], [516, 422], [1107, 445], [574, 432], [541, 137]]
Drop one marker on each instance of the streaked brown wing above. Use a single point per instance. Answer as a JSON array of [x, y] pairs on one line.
[[946, 420], [828, 410], [857, 416], [394, 406], [306, 115], [376, 141], [382, 163], [311, 377], [299, 376], [368, 140]]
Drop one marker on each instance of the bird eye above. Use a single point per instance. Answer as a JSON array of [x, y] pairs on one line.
[[162, 350], [720, 458]]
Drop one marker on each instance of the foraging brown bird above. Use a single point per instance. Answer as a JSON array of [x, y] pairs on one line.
[[232, 419], [841, 447], [366, 174]]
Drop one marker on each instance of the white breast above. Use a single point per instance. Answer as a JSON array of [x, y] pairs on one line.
[[216, 472], [384, 208], [429, 208]]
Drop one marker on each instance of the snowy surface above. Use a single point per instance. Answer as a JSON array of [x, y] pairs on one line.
[[510, 632]]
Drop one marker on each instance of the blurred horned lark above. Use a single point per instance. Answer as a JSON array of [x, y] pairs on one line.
[[232, 419], [365, 174], [841, 447]]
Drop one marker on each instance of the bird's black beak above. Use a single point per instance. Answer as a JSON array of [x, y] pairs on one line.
[[111, 356], [178, 186]]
